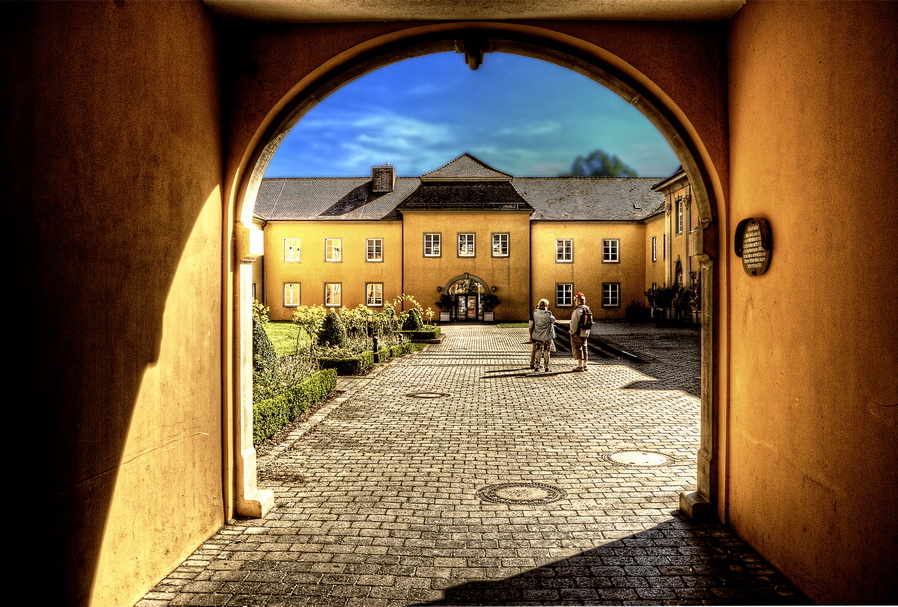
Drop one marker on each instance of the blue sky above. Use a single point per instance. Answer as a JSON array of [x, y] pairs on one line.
[[520, 115]]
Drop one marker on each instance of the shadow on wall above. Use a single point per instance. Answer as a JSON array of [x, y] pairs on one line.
[[673, 561]]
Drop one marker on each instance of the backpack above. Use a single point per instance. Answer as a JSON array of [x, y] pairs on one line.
[[585, 323]]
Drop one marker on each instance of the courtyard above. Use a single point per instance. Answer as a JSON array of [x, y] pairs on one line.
[[456, 476]]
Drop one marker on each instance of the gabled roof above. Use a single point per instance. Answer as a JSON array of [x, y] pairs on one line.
[[678, 177], [465, 195], [465, 168], [466, 183], [329, 198]]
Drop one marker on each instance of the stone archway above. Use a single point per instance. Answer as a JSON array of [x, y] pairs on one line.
[[474, 40], [468, 293]]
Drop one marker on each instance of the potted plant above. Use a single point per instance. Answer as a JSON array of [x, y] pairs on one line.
[[664, 298], [445, 304], [694, 294], [489, 302]]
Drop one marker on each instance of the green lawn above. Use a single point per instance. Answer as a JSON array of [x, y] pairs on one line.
[[513, 325], [283, 335]]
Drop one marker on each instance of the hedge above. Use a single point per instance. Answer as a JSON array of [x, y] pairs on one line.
[[272, 414], [423, 334], [357, 365]]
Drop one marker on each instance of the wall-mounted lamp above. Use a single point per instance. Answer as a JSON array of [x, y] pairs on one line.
[[495, 289], [439, 289]]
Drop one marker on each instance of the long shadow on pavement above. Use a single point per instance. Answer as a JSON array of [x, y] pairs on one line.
[[675, 562]]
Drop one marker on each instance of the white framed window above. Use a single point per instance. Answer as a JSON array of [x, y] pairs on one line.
[[254, 291], [374, 294], [611, 295], [610, 250], [291, 249], [679, 215], [564, 294], [333, 249], [654, 248], [465, 244], [374, 248], [564, 250], [500, 244], [432, 242], [291, 294], [333, 294]]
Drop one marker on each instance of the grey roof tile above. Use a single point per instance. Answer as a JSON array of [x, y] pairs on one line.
[[466, 167], [329, 198], [464, 183], [589, 198], [479, 195]]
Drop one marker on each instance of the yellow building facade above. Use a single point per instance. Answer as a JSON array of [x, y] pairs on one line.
[[332, 264], [458, 236]]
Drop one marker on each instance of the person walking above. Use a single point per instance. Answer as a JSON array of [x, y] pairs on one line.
[[542, 334], [581, 325]]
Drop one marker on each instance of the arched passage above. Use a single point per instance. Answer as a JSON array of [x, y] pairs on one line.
[[476, 40]]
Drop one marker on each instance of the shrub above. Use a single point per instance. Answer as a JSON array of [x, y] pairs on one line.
[[260, 311], [333, 333], [350, 365], [264, 356], [427, 332], [413, 322], [272, 414], [309, 319]]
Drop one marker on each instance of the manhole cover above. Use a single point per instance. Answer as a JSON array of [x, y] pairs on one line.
[[520, 493], [637, 458], [428, 394]]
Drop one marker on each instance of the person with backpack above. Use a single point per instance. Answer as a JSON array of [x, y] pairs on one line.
[[581, 324]]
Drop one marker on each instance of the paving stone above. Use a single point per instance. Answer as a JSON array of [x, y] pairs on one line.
[[377, 502]]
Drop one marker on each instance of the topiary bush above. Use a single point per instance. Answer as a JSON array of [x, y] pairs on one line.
[[333, 333], [264, 355], [413, 322]]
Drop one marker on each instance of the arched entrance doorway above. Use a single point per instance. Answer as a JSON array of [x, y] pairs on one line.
[[473, 40], [470, 298]]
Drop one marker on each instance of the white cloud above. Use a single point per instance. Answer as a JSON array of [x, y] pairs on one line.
[[545, 127]]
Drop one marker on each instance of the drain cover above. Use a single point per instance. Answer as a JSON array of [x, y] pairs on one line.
[[637, 458], [428, 394], [520, 493]]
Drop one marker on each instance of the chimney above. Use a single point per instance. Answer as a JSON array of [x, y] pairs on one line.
[[383, 178]]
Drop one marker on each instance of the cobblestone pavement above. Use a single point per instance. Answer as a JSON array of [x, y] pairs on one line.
[[457, 477]]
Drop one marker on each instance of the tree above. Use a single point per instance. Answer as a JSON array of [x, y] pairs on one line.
[[333, 333], [600, 164]]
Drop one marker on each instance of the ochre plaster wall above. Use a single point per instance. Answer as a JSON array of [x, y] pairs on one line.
[[655, 270], [588, 271], [112, 169], [812, 472], [508, 274], [312, 271]]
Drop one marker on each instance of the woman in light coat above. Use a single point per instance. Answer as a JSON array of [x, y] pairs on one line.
[[542, 334]]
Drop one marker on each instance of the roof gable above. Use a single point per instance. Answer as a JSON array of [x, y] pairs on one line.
[[465, 168]]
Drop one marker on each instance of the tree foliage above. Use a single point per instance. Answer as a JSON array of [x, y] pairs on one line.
[[599, 164], [264, 355], [333, 333]]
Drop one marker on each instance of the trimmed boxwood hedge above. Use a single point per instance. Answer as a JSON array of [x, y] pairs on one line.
[[348, 366], [423, 334], [272, 414], [357, 365]]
